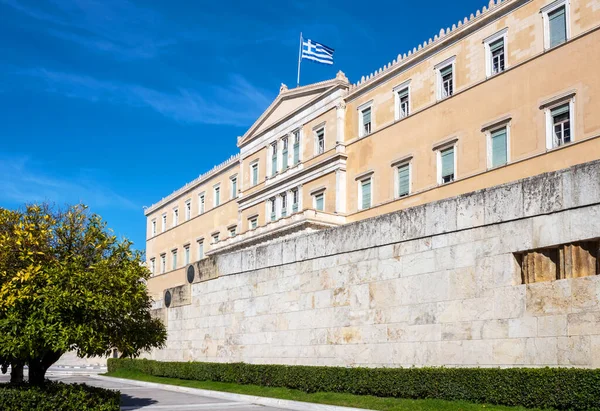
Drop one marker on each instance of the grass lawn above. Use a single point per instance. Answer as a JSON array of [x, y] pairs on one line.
[[348, 400]]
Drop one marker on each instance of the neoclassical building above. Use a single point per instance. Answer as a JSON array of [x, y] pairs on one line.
[[509, 92]]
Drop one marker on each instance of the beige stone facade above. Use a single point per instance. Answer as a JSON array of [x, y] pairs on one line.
[[317, 184]]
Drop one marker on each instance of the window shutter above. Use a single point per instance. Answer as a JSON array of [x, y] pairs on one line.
[[403, 93], [446, 70], [319, 202], [296, 153], [403, 180], [558, 26], [559, 110], [499, 147], [448, 162], [255, 175], [274, 165], [497, 45], [366, 116], [366, 194]]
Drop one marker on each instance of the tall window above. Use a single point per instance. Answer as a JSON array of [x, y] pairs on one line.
[[556, 24], [365, 193], [234, 187], [153, 266], [284, 204], [403, 179], [561, 125], [200, 249], [254, 173], [296, 147], [232, 231], [175, 217], [446, 165], [274, 158], [273, 208], [164, 222], [174, 259], [201, 203], [320, 141], [252, 223], [188, 210], [498, 147], [163, 263], [217, 195], [497, 56], [364, 121], [215, 238], [186, 254], [284, 153], [447, 81], [319, 200], [295, 200], [153, 230], [402, 103]]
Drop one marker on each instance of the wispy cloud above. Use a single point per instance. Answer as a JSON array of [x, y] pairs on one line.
[[27, 181], [238, 103]]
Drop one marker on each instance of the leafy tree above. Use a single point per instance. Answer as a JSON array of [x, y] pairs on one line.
[[67, 283]]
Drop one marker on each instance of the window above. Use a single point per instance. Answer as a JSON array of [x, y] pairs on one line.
[[580, 259], [364, 119], [188, 210], [498, 146], [364, 193], [401, 98], [252, 222], [495, 50], [215, 238], [445, 75], [153, 266], [320, 141], [403, 179], [164, 222], [273, 209], [175, 217], [284, 153], [232, 231], [273, 159], [200, 249], [556, 23], [217, 195], [446, 165], [153, 229], [233, 187], [295, 200], [319, 200], [296, 147], [561, 125], [163, 263], [201, 203], [186, 254], [174, 258], [254, 173], [284, 204]]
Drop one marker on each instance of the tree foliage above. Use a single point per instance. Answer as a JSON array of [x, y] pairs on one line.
[[67, 283]]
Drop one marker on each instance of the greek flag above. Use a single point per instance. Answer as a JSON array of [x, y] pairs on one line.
[[311, 50]]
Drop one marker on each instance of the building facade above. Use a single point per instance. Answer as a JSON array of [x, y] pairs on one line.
[[509, 92]]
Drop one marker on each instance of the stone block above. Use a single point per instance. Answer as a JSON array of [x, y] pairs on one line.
[[509, 302], [595, 350], [542, 194], [541, 351], [553, 297], [477, 352], [317, 243], [440, 217], [522, 327], [383, 294], [552, 325], [419, 263], [262, 257], [248, 259], [583, 223], [575, 350], [503, 203], [301, 247], [412, 246], [422, 314], [473, 309], [584, 323], [494, 329], [550, 230], [581, 185], [466, 330], [288, 251], [229, 263], [585, 295], [508, 352], [451, 352], [403, 225], [470, 210]]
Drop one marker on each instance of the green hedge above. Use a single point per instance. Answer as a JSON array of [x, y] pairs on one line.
[[559, 388], [56, 396]]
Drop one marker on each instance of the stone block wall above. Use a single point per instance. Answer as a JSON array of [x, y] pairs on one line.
[[433, 285]]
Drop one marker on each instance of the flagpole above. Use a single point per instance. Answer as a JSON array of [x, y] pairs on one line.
[[299, 60]]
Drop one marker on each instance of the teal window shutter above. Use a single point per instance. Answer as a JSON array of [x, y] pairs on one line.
[[446, 70], [274, 165], [558, 26], [448, 162], [403, 180], [403, 93], [559, 110], [319, 202], [499, 155], [255, 175], [497, 45], [284, 153], [366, 193], [366, 115], [296, 153]]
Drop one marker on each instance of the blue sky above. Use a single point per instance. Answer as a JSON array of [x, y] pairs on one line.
[[117, 103]]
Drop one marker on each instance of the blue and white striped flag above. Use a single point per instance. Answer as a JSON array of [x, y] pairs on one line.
[[311, 50]]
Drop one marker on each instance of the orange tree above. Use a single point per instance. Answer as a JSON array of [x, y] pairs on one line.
[[67, 283]]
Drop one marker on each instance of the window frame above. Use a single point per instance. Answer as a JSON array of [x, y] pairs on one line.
[[253, 165], [396, 165], [489, 64], [316, 138], [215, 237], [274, 156], [163, 263], [549, 8], [439, 151], [201, 203], [200, 245], [559, 101], [188, 209], [217, 198], [272, 209], [488, 138], [233, 184], [174, 259], [285, 153], [175, 216], [153, 227], [164, 222], [439, 83], [153, 265], [253, 222], [396, 90], [187, 258], [361, 126], [361, 179], [315, 194], [232, 230], [293, 135]]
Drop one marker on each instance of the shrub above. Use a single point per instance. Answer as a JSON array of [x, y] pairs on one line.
[[56, 396], [559, 388]]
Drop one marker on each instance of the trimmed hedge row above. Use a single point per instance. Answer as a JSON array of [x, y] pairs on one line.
[[559, 388], [56, 396]]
